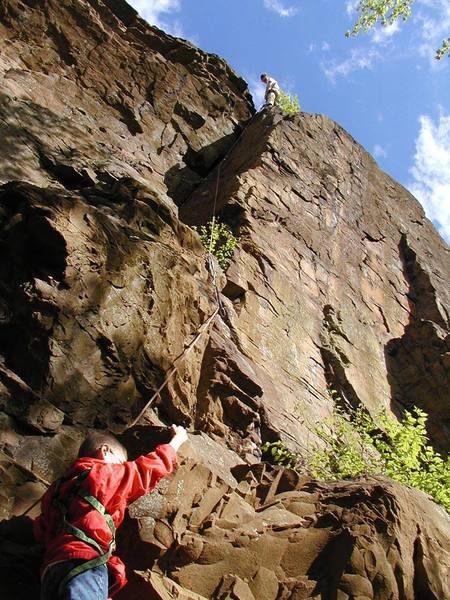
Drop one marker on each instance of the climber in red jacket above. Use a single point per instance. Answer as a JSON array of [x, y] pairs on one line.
[[81, 511]]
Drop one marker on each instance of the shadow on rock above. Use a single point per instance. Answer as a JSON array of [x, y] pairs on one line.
[[20, 560]]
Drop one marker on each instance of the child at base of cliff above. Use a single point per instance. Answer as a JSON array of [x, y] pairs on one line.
[[81, 511]]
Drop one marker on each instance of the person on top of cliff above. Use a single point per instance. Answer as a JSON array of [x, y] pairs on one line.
[[81, 511], [272, 90]]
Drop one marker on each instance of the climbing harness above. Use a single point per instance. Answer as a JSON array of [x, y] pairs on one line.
[[63, 506]]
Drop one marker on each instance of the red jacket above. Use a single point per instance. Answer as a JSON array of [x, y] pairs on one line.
[[115, 486]]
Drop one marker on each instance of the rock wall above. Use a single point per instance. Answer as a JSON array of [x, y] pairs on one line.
[[91, 93], [220, 528], [113, 134], [339, 280], [275, 535]]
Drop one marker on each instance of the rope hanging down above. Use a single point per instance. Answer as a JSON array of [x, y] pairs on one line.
[[219, 309], [210, 260], [210, 264], [169, 375], [175, 367]]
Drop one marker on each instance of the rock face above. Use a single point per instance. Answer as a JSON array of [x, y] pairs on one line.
[[274, 535], [91, 93], [339, 280], [222, 529], [115, 139]]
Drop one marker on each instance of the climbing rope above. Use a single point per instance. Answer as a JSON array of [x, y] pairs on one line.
[[175, 367], [220, 309], [210, 262]]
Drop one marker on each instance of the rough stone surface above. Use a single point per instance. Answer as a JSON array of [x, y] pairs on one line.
[[112, 132], [267, 533], [125, 99], [339, 280], [90, 281], [277, 535]]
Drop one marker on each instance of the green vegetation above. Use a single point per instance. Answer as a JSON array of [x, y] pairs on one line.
[[384, 11], [354, 443], [218, 239], [444, 49], [387, 12], [288, 104], [278, 454]]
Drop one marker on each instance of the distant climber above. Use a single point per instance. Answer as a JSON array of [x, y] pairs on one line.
[[272, 90], [81, 511]]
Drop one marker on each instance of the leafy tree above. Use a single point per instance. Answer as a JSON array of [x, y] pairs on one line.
[[218, 239], [354, 444], [444, 49], [288, 104], [387, 12]]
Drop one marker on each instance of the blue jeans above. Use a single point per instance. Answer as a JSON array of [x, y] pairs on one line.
[[90, 585]]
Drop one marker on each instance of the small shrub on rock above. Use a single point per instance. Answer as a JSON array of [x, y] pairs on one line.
[[355, 444], [290, 105], [218, 239], [277, 453]]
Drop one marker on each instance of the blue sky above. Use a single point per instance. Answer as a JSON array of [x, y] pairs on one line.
[[385, 88]]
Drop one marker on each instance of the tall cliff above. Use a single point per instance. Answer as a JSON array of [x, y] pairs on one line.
[[116, 139]]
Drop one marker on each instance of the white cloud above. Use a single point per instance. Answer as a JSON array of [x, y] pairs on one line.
[[350, 7], [431, 171], [379, 151], [359, 59], [156, 13], [279, 8], [434, 19], [257, 90], [382, 35], [324, 47]]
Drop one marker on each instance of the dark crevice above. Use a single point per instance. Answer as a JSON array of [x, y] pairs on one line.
[[128, 117], [416, 361], [192, 118], [337, 379], [66, 174], [421, 293], [421, 582], [182, 181], [62, 44], [335, 360], [330, 565]]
